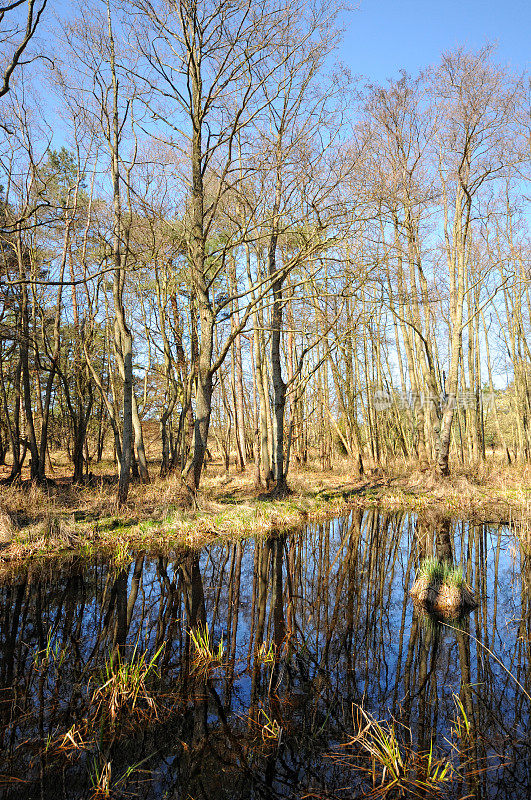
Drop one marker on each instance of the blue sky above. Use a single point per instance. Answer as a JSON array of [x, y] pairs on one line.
[[384, 36]]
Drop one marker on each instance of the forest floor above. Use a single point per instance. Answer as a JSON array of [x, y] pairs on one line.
[[43, 521]]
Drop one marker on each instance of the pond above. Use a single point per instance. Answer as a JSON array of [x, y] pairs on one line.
[[260, 669]]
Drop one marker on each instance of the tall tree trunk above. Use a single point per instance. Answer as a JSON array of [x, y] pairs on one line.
[[203, 404], [24, 358], [457, 260], [122, 334], [279, 387]]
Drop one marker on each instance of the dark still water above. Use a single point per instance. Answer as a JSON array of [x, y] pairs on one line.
[[113, 682]]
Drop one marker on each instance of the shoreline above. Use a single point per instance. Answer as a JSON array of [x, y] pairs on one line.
[[230, 509]]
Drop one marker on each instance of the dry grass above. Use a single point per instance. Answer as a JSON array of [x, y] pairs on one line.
[[490, 491], [60, 517], [6, 527]]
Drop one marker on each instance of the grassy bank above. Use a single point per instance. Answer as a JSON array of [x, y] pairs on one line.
[[61, 518]]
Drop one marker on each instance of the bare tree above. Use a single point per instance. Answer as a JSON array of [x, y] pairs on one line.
[[208, 65], [15, 35], [97, 76], [476, 101]]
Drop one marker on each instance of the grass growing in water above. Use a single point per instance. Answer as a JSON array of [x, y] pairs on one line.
[[453, 576], [124, 683], [205, 658], [266, 653], [270, 727], [101, 773], [437, 572], [461, 726], [395, 768], [100, 779], [432, 570]]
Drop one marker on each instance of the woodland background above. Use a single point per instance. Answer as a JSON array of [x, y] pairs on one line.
[[215, 243]]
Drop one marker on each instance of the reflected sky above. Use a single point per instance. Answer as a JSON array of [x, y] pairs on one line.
[[314, 625]]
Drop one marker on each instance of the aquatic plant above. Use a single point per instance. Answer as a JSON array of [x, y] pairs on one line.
[[122, 554], [270, 727], [436, 572], [124, 683], [86, 550], [432, 570], [100, 775], [440, 587], [461, 725], [494, 656], [205, 658], [394, 766], [100, 778], [266, 653], [53, 653], [453, 576]]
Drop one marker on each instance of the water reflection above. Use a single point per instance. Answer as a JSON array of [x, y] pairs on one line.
[[311, 623]]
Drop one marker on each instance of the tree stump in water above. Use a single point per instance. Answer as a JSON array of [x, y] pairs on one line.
[[448, 596]]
